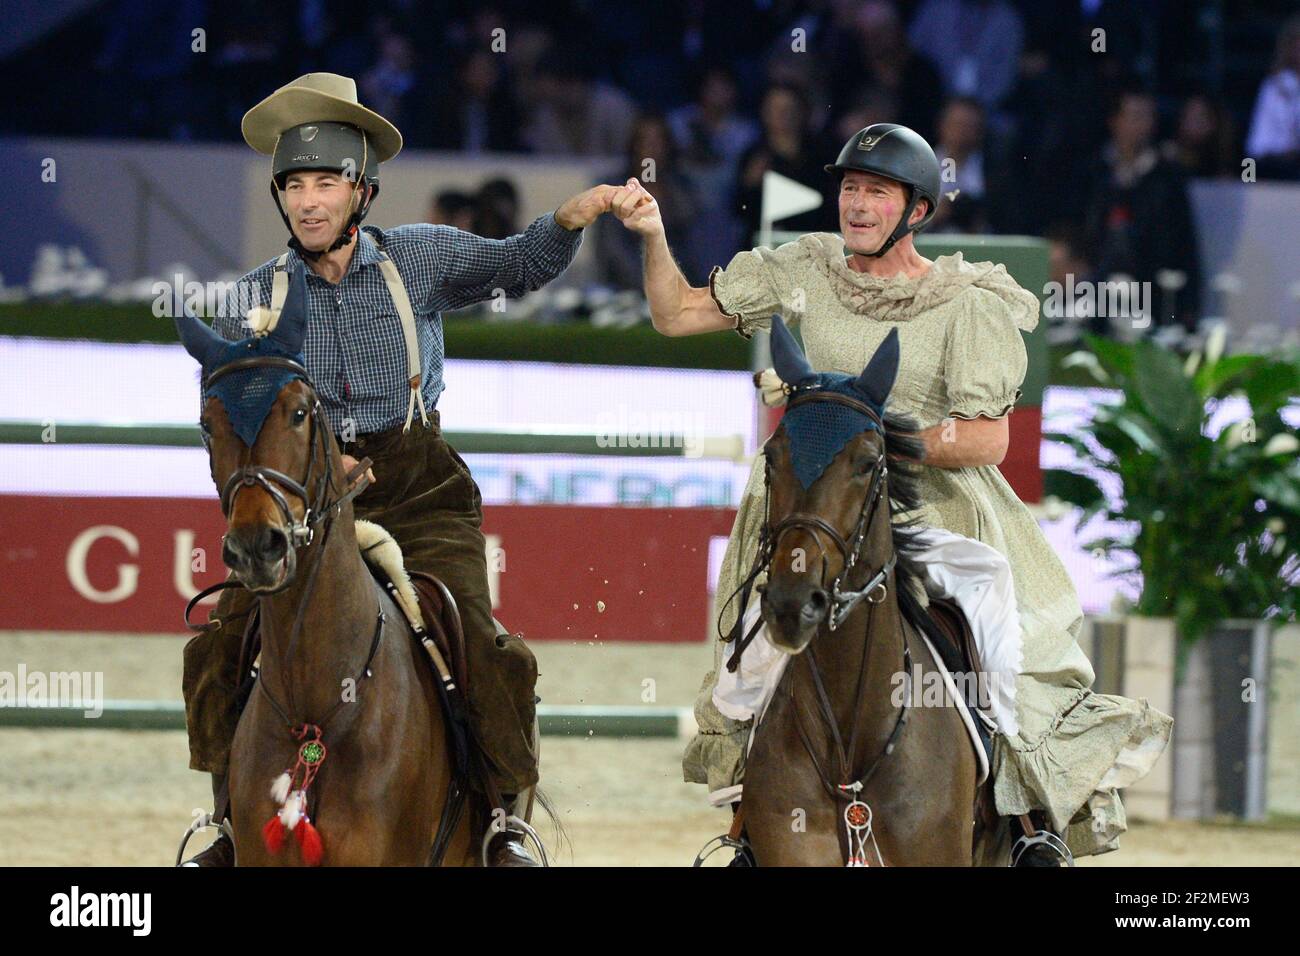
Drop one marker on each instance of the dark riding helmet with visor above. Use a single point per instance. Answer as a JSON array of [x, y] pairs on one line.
[[326, 147], [898, 153]]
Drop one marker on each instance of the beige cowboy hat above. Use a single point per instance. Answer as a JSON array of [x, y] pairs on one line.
[[317, 97]]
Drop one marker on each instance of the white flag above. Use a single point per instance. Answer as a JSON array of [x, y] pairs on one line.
[[783, 197]]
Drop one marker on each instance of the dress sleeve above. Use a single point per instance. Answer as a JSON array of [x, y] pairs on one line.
[[758, 283], [984, 360]]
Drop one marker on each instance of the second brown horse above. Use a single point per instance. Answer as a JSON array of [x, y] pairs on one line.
[[842, 767]]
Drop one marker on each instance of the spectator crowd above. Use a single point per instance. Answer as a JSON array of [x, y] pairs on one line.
[[1040, 129]]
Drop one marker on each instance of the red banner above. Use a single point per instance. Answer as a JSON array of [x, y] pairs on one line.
[[557, 573]]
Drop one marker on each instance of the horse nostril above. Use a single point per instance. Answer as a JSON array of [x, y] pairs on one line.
[[272, 544], [230, 554], [814, 608]]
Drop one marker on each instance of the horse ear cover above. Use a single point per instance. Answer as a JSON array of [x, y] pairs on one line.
[[877, 379], [787, 358], [249, 394]]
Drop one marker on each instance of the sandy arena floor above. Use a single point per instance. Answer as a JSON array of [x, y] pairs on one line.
[[104, 797]]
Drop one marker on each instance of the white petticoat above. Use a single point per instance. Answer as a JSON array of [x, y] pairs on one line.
[[967, 571]]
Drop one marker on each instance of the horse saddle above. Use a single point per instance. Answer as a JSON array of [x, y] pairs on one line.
[[957, 652]]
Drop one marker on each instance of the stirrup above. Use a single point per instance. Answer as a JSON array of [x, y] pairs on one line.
[[725, 840], [202, 822], [1041, 838], [524, 829]]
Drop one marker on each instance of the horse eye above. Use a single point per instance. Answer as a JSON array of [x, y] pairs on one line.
[[204, 426], [300, 416]]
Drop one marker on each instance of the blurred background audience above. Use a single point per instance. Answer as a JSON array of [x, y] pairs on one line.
[[1077, 120]]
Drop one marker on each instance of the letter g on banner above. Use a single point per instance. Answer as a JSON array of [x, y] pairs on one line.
[[128, 575]]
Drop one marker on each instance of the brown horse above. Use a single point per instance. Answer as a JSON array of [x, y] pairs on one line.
[[345, 703], [844, 767]]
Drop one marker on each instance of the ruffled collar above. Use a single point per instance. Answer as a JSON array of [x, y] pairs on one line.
[[899, 298]]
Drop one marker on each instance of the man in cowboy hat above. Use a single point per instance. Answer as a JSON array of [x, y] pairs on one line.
[[373, 365]]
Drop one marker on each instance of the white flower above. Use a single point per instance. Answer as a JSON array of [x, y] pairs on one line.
[[1214, 345], [1054, 508], [1087, 360], [1281, 443]]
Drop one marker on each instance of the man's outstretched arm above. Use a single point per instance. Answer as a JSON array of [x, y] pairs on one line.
[[676, 307]]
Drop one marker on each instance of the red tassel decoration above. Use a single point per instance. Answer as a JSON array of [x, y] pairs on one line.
[[273, 834], [309, 842]]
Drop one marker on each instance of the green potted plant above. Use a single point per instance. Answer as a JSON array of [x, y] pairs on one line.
[[1209, 523]]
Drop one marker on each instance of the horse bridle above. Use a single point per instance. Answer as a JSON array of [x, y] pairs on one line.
[[842, 600], [301, 532], [841, 605], [316, 508]]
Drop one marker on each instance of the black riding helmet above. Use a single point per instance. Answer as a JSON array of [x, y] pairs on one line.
[[330, 147], [902, 155]]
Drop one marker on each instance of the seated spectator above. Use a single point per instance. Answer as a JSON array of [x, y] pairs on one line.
[[975, 44], [1052, 138], [1206, 141], [711, 136], [788, 149], [650, 157], [451, 207], [873, 105], [1274, 140], [960, 151], [389, 85], [577, 115], [1069, 265], [977, 184], [711, 133], [477, 112], [890, 64], [1139, 218], [496, 209]]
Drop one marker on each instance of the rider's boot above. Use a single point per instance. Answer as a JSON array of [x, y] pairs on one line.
[[221, 852], [744, 855], [507, 847], [1036, 843]]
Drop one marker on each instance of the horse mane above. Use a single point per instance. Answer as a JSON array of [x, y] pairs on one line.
[[902, 442]]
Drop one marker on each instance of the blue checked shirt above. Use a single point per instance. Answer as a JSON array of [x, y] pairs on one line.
[[355, 351]]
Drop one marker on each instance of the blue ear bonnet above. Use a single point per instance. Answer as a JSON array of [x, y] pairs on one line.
[[249, 394], [818, 431]]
